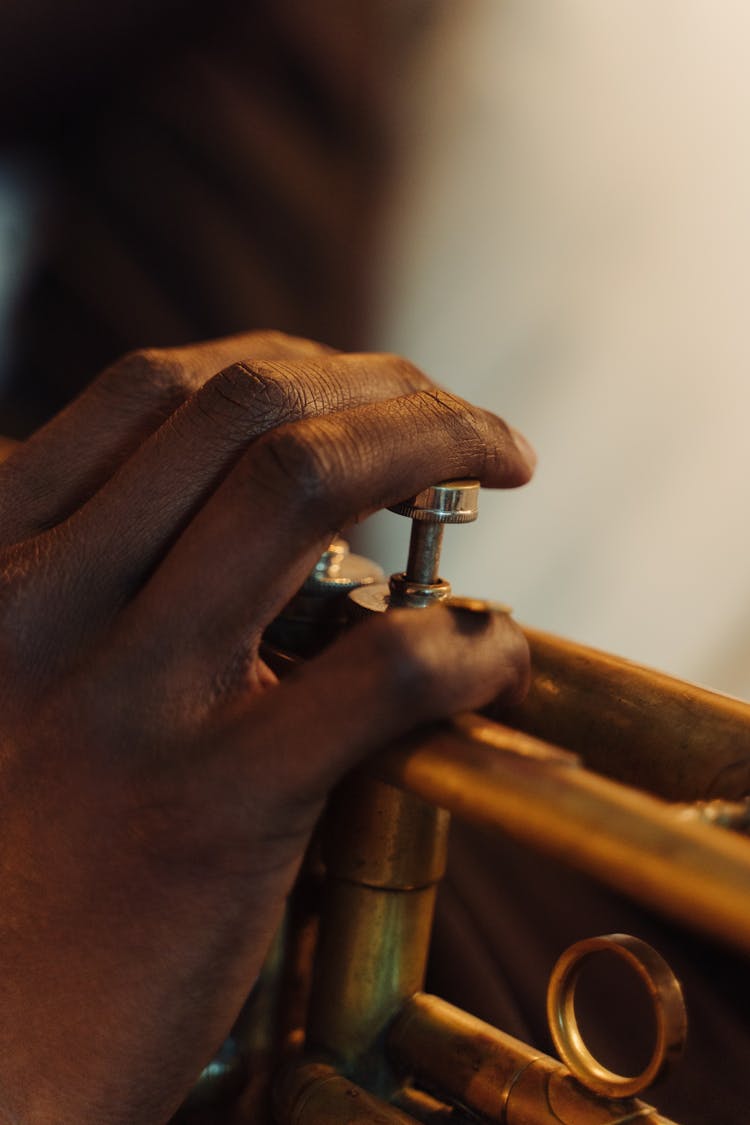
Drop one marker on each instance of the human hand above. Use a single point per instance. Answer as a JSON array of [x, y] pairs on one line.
[[158, 787]]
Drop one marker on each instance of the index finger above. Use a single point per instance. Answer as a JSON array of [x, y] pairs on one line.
[[248, 550]]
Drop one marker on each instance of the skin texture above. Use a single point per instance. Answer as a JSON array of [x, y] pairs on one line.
[[158, 787]]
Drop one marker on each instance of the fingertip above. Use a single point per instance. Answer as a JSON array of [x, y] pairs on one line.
[[502, 665], [449, 657], [516, 687], [510, 457], [526, 450]]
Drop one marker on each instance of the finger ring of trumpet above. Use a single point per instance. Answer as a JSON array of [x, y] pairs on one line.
[[667, 1002]]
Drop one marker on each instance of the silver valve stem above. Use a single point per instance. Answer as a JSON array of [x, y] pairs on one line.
[[451, 501], [425, 545]]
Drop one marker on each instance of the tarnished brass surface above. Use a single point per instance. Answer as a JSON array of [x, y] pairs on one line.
[[665, 992], [426, 1109], [633, 842], [381, 836], [642, 727], [385, 851], [498, 737], [497, 1076], [314, 1094], [372, 953]]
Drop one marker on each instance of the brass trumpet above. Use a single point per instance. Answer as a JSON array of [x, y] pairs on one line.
[[339, 1028]]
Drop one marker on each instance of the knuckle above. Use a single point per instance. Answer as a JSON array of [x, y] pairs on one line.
[[152, 377], [293, 464], [466, 425], [449, 407], [255, 395]]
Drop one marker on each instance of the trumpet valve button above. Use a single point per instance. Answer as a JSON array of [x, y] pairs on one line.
[[451, 501]]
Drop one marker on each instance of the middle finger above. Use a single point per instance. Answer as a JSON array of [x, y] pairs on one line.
[[105, 551], [251, 546]]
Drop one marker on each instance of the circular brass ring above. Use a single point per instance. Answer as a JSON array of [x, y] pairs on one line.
[[668, 1007]]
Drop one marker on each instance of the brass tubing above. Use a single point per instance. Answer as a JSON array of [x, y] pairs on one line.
[[639, 726], [385, 851], [315, 1094], [426, 1109], [495, 1075], [382, 837], [667, 1005], [372, 953], [635, 843]]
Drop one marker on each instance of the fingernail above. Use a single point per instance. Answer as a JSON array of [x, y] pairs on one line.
[[524, 447]]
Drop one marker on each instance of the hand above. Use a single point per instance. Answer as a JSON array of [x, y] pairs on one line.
[[158, 787]]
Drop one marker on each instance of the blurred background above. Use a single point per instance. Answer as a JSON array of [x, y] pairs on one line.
[[545, 206], [568, 243]]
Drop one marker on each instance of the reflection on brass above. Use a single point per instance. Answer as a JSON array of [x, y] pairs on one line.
[[507, 741], [377, 1050], [666, 998], [382, 837], [478, 605], [725, 814], [465, 1060], [315, 1094], [636, 843], [385, 851], [426, 1109], [644, 728]]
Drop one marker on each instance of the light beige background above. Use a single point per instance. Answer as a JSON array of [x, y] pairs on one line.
[[569, 243]]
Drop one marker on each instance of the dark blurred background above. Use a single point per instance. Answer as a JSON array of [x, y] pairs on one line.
[[178, 171], [528, 199]]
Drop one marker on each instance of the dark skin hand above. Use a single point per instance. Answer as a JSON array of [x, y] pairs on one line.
[[158, 786]]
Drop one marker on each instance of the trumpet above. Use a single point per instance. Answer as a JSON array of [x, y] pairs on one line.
[[624, 774]]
